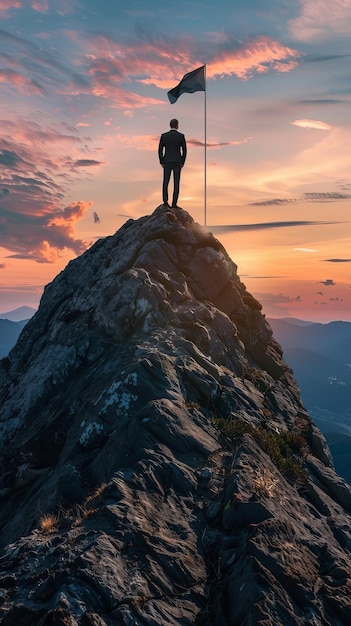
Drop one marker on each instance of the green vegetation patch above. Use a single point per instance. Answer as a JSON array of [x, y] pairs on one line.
[[283, 448]]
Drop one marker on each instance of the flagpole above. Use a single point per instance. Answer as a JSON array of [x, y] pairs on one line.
[[205, 175]]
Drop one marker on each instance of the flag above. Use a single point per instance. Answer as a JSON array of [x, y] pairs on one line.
[[191, 82]]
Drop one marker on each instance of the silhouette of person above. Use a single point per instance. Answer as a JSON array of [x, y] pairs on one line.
[[172, 155]]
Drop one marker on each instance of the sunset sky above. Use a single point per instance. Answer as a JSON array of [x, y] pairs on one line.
[[83, 88]]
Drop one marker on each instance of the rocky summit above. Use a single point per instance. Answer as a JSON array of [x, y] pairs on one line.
[[157, 465]]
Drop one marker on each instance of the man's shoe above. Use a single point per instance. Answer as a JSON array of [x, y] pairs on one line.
[[175, 206], [165, 204]]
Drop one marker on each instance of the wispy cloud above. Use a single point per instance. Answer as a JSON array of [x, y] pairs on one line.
[[318, 196], [311, 196], [61, 7], [216, 144], [42, 6], [36, 69], [323, 58], [86, 163], [273, 202], [277, 303], [162, 60], [6, 5], [264, 226], [305, 250], [256, 56], [315, 124], [328, 282], [317, 21], [116, 68]]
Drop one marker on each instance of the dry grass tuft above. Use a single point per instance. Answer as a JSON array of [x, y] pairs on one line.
[[265, 483], [48, 524], [98, 492]]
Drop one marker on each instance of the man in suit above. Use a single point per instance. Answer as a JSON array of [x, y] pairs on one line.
[[172, 155]]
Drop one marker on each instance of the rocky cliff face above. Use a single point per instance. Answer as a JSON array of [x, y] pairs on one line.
[[157, 464]]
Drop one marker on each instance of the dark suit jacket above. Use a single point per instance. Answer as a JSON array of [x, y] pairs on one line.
[[172, 148]]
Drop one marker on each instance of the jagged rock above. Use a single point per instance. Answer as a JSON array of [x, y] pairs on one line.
[[157, 466]]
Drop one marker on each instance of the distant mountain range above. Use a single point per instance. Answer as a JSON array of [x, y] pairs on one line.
[[18, 315], [11, 324], [320, 356]]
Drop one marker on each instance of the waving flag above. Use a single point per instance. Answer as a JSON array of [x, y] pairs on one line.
[[191, 82]]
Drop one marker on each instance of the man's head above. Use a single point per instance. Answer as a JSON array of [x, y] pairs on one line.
[[173, 123]]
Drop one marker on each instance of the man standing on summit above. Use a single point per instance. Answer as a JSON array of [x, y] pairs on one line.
[[172, 155]]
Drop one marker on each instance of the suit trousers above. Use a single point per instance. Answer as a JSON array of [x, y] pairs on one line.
[[168, 168]]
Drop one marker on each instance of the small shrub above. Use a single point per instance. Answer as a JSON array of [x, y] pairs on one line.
[[280, 447], [232, 429]]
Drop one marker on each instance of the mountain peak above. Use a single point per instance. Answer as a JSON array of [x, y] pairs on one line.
[[18, 315], [157, 463]]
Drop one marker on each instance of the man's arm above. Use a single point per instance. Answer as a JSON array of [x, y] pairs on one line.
[[183, 150], [160, 150]]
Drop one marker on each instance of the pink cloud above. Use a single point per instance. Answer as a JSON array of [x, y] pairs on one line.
[[6, 5], [155, 61], [257, 56], [109, 69], [42, 6], [217, 144], [140, 142], [62, 7], [316, 21], [22, 83], [315, 124]]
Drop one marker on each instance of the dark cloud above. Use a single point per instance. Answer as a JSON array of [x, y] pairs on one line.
[[2, 266], [40, 237], [317, 196], [214, 144], [320, 293], [87, 163], [320, 101], [322, 58], [336, 299], [312, 196], [264, 226], [10, 159], [328, 282], [273, 202], [338, 260], [36, 175]]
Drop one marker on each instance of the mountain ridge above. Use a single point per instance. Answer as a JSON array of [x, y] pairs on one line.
[[18, 315]]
